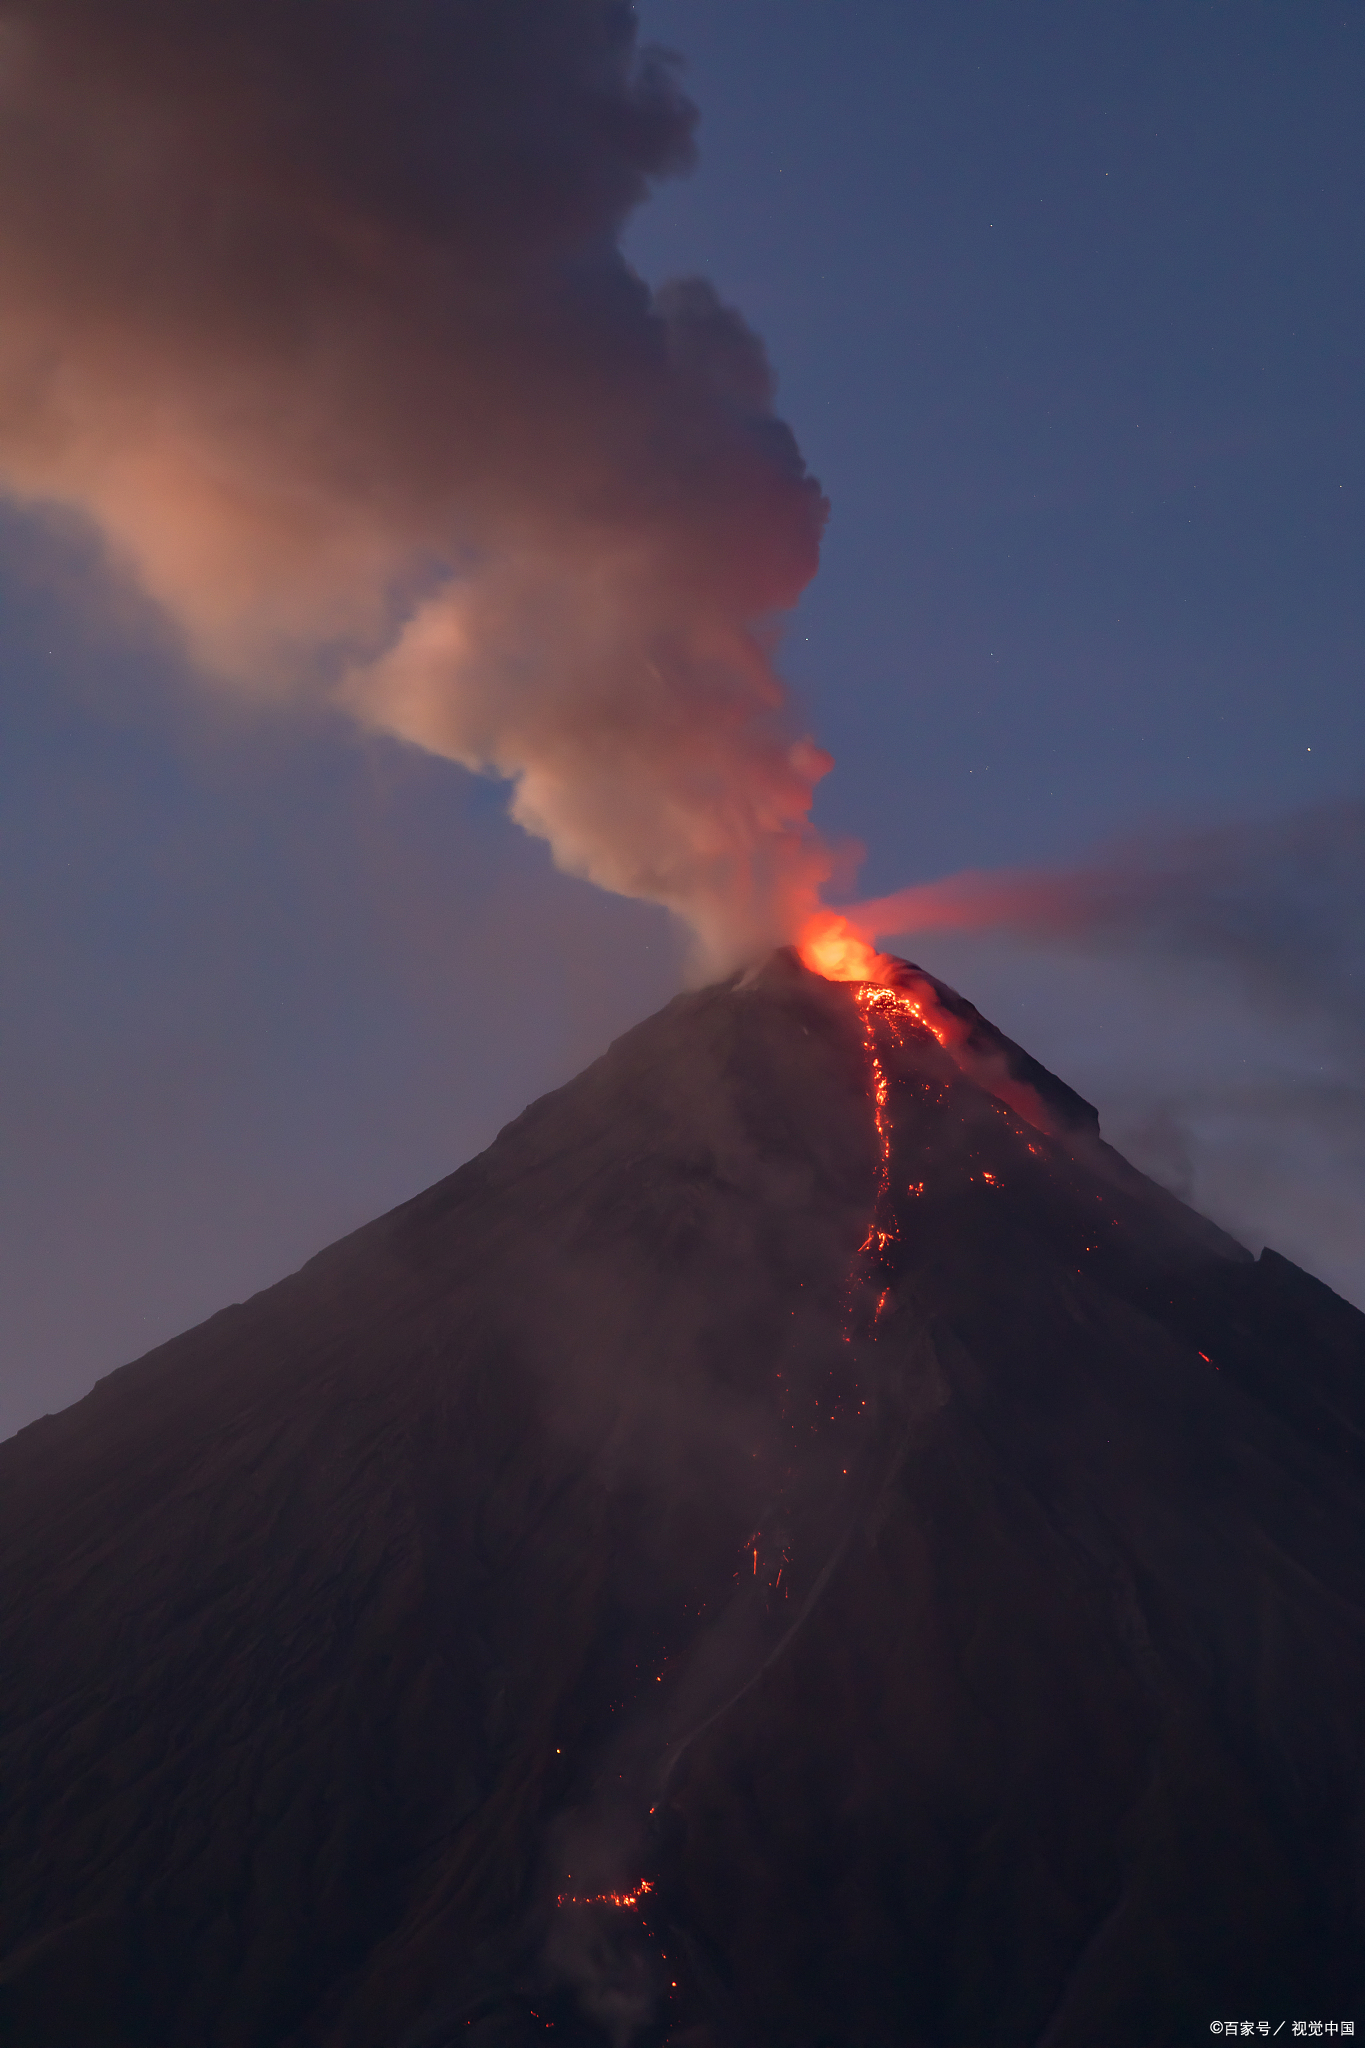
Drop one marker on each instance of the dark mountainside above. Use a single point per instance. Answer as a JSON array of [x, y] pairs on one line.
[[949, 1601]]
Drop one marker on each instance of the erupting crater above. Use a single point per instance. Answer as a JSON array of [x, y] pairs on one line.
[[936, 1625]]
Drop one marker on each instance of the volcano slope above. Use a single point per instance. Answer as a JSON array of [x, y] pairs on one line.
[[907, 1558]]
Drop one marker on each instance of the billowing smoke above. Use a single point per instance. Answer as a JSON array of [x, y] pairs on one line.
[[316, 311]]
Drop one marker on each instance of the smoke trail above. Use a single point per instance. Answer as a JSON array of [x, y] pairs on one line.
[[317, 312], [1280, 903]]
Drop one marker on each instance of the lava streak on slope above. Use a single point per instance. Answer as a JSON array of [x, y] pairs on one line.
[[891, 999], [889, 987], [897, 1002], [893, 1010]]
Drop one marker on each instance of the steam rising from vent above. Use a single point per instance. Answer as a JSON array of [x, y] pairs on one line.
[[317, 312]]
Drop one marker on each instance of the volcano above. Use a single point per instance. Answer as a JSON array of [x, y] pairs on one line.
[[798, 1545]]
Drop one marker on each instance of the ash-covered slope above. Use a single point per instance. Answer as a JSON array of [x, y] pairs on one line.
[[914, 1547]]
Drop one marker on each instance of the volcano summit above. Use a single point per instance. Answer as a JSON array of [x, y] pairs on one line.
[[796, 1546]]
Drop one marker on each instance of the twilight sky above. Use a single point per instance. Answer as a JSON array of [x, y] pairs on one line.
[[1066, 309]]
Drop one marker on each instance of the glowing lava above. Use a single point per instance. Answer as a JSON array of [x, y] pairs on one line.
[[629, 1902], [888, 997], [834, 948], [831, 946], [891, 1009]]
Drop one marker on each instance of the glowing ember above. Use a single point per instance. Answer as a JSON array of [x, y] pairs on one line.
[[629, 1902]]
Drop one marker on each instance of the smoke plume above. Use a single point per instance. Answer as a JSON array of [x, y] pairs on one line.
[[317, 312], [1279, 904]]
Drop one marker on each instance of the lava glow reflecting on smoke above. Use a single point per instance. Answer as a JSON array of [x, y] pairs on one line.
[[835, 949], [831, 946]]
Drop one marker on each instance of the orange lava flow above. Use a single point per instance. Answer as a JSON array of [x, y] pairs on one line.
[[881, 1090], [836, 948], [890, 1009], [888, 997], [629, 1902], [832, 947], [898, 1007]]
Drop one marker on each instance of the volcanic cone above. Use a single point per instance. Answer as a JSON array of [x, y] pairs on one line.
[[797, 1544]]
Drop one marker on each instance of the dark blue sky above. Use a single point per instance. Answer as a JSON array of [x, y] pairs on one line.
[[1066, 305]]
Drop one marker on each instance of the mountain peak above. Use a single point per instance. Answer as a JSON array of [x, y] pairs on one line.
[[798, 1543]]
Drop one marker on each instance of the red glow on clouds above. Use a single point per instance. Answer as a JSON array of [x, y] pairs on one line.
[[841, 944]]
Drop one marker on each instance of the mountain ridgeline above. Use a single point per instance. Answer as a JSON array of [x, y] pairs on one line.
[[798, 1545]]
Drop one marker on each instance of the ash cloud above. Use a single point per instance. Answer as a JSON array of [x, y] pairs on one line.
[[317, 313]]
